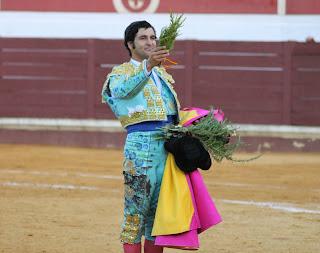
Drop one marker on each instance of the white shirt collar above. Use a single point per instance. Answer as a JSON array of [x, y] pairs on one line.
[[155, 76], [135, 62]]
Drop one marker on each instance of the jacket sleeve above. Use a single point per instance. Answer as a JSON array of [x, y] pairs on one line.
[[125, 84]]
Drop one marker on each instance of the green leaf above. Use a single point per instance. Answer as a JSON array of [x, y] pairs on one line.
[[171, 32], [212, 134]]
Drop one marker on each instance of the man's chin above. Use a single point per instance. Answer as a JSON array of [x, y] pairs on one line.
[[146, 55]]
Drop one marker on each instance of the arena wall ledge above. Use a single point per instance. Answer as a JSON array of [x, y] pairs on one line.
[[109, 134]]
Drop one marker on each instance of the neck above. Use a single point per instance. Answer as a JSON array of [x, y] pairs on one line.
[[136, 59]]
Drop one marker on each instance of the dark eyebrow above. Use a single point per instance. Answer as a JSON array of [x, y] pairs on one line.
[[144, 36]]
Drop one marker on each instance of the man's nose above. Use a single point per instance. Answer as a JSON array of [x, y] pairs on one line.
[[149, 41]]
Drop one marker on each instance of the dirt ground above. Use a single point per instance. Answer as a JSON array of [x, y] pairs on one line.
[[58, 199]]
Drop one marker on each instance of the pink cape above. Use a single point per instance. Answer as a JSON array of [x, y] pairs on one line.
[[205, 214]]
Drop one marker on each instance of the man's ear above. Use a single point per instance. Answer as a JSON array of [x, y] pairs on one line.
[[131, 45]]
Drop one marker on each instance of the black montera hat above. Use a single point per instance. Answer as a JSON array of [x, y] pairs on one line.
[[189, 153]]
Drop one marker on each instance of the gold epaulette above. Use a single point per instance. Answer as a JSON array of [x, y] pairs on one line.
[[127, 69]]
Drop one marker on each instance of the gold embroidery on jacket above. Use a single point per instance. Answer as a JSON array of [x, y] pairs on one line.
[[127, 69], [137, 117], [150, 103], [156, 109]]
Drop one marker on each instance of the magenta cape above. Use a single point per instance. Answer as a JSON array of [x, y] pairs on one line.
[[205, 216], [205, 213]]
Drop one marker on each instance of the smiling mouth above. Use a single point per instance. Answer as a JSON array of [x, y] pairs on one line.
[[149, 49]]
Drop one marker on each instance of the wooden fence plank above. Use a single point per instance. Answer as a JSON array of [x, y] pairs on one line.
[[237, 75], [306, 61], [40, 111], [91, 87], [255, 82], [286, 105], [33, 97], [49, 70], [247, 61], [303, 7], [241, 48], [73, 45]]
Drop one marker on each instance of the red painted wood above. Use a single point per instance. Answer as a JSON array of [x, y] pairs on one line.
[[252, 116], [116, 140], [306, 48], [251, 81], [106, 51], [64, 138], [256, 144], [91, 78], [50, 44], [190, 6], [303, 7], [47, 57], [44, 86], [305, 84], [306, 118], [309, 91], [104, 112], [41, 111], [33, 97], [238, 76], [240, 98], [220, 6], [1, 59], [50, 71], [306, 76], [272, 86], [246, 61], [58, 5], [287, 80], [270, 48], [307, 104], [306, 62]]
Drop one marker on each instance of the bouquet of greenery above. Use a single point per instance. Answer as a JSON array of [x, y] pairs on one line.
[[213, 132], [169, 33]]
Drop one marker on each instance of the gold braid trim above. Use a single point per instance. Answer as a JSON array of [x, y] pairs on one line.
[[138, 117], [127, 69], [165, 75]]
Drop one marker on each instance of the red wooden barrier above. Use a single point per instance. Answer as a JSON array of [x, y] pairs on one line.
[[254, 82], [303, 7], [162, 6], [43, 78], [305, 84]]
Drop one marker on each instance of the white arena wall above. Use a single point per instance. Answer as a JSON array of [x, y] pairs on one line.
[[209, 27]]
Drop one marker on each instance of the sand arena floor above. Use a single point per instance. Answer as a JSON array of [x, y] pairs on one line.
[[64, 200]]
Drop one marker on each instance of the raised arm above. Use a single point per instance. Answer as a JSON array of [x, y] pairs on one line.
[[122, 85]]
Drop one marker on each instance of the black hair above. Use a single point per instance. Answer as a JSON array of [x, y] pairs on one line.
[[132, 30]]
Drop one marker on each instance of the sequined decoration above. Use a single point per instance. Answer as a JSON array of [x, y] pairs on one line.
[[130, 229]]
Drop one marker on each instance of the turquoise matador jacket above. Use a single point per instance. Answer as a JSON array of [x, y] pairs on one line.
[[135, 97]]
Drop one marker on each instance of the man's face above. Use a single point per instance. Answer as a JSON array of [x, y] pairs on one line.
[[143, 43]]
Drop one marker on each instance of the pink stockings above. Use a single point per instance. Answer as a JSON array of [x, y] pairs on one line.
[[149, 247], [132, 248]]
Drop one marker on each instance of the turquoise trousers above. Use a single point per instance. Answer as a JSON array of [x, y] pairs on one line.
[[143, 167]]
